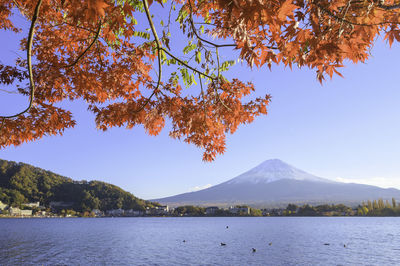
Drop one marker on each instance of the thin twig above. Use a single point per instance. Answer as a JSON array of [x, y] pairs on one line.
[[216, 87], [327, 11], [96, 37], [204, 99], [169, 16], [29, 58], [344, 16], [19, 7], [88, 48], [10, 92], [197, 35], [186, 65], [387, 7]]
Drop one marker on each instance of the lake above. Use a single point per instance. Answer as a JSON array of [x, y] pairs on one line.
[[197, 241]]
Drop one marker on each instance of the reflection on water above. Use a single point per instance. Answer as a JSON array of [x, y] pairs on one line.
[[159, 241]]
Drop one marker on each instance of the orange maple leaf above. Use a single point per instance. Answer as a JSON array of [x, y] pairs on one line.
[[286, 9]]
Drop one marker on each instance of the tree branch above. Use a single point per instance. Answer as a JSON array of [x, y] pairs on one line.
[[186, 65], [216, 88], [10, 92], [387, 7], [29, 58], [351, 22], [87, 49], [197, 35], [159, 48], [344, 15], [204, 99], [96, 37]]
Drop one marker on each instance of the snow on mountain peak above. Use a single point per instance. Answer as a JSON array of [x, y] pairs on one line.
[[273, 170]]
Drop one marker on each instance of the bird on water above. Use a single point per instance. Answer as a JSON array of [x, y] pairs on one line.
[[223, 244], [253, 249]]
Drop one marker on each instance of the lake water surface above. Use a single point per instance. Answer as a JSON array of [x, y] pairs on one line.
[[159, 241]]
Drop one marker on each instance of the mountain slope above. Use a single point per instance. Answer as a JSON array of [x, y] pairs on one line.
[[22, 183], [274, 183]]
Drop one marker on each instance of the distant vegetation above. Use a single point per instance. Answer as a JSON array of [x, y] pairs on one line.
[[371, 208], [190, 210], [379, 208], [22, 183]]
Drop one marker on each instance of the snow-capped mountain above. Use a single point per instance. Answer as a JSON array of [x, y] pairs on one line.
[[273, 170], [274, 183]]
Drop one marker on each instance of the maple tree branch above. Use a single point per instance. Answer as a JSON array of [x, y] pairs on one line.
[[201, 87], [197, 35], [76, 26], [159, 48], [10, 92], [344, 15], [29, 58], [186, 65], [327, 11], [205, 23], [169, 16], [388, 7], [204, 99], [216, 88], [20, 8], [96, 37]]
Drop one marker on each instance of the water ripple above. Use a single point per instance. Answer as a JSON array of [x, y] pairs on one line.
[[159, 241]]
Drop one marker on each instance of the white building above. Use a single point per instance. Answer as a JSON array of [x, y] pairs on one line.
[[32, 204], [19, 212]]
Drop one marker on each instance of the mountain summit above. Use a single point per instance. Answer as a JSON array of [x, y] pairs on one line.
[[276, 183], [274, 170]]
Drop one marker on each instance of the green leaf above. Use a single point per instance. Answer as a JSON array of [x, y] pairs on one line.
[[141, 34], [163, 55], [193, 79], [190, 47], [198, 57], [225, 65]]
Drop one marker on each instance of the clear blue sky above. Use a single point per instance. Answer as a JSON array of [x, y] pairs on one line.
[[348, 129]]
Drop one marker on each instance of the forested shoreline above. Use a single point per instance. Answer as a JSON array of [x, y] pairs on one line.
[[22, 183]]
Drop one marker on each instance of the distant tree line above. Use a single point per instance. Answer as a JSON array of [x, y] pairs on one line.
[[22, 183], [379, 208], [190, 210], [319, 210], [370, 208]]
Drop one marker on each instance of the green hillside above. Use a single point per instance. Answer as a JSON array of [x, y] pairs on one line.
[[23, 183]]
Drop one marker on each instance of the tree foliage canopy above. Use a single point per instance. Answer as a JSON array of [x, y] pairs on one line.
[[100, 51]]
